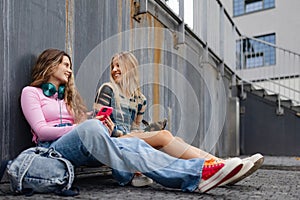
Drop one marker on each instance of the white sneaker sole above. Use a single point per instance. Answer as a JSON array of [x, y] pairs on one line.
[[232, 167], [257, 160], [141, 181]]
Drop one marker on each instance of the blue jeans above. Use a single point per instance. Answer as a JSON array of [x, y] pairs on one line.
[[89, 143]]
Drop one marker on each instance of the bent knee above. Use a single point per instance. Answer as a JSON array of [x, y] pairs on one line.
[[92, 126], [165, 136]]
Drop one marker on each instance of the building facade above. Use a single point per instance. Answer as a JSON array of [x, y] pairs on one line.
[[270, 46], [268, 60]]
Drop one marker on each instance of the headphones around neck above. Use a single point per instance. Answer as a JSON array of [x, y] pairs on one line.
[[49, 90]]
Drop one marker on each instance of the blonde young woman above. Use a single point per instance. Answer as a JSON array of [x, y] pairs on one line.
[[124, 95]]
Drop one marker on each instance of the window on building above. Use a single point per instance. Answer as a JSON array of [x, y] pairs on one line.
[[255, 52], [253, 5], [241, 7]]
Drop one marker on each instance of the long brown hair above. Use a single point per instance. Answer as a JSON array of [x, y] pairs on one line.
[[44, 67]]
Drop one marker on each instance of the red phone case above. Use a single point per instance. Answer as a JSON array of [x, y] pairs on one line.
[[105, 111]]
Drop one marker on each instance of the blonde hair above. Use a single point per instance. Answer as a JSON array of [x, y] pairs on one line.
[[130, 83], [45, 67]]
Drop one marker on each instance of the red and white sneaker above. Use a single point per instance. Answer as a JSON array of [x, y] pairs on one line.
[[215, 173]]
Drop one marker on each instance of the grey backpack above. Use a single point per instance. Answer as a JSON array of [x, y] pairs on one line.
[[41, 170]]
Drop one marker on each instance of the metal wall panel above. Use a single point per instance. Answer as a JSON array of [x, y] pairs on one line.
[[28, 27], [2, 99]]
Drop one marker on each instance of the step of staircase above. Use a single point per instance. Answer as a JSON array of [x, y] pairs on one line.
[[259, 92], [288, 103], [271, 97], [248, 87], [296, 108]]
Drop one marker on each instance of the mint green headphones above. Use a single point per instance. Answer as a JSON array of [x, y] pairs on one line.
[[49, 90]]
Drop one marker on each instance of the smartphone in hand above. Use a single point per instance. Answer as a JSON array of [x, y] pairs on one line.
[[105, 111]]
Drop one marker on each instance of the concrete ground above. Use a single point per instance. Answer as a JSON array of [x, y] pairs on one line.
[[278, 178]]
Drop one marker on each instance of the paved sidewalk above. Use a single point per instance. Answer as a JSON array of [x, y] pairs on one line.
[[279, 178], [282, 163]]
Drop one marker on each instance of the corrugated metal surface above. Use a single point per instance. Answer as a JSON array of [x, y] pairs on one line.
[[178, 83], [27, 28]]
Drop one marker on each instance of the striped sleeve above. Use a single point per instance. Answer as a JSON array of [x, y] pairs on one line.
[[103, 97]]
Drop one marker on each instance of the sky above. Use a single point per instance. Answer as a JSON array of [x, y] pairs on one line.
[[188, 10]]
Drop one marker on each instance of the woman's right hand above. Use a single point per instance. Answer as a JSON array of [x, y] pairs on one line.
[[109, 124]]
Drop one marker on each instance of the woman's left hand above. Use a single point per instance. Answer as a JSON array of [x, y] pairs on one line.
[[109, 124]]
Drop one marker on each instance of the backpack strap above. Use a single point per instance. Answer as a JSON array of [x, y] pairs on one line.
[[24, 168], [70, 171], [56, 155]]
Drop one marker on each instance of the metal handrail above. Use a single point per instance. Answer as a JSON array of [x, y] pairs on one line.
[[279, 84], [270, 44], [276, 92]]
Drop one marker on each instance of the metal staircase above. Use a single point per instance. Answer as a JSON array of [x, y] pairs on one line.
[[282, 103], [279, 82]]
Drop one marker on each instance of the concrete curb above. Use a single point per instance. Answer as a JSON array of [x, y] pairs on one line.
[[277, 167], [291, 163]]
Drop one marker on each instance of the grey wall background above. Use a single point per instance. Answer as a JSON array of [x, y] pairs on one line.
[[264, 131], [175, 80], [27, 28]]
